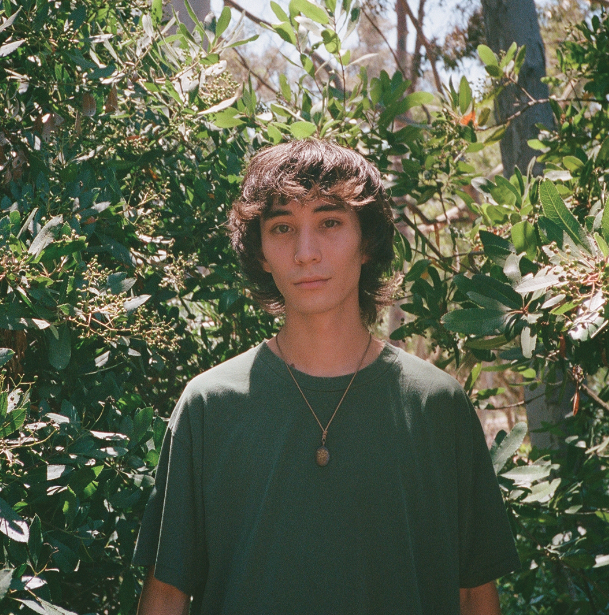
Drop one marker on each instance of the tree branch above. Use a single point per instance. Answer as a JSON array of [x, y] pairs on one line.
[[401, 68], [428, 48], [261, 79], [319, 61]]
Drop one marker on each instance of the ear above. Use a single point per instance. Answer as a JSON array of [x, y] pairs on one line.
[[364, 251]]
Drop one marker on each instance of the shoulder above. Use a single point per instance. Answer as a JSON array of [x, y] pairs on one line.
[[229, 379], [233, 374], [425, 380]]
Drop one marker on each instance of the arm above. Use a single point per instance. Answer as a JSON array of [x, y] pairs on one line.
[[159, 598], [481, 600]]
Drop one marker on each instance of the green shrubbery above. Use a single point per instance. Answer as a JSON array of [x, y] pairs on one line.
[[121, 148]]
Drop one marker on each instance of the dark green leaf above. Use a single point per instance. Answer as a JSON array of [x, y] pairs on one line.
[[509, 445], [11, 524], [60, 349], [475, 321], [6, 576], [6, 354], [555, 209], [13, 421], [142, 422]]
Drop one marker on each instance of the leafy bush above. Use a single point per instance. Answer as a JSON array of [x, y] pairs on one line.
[[121, 147]]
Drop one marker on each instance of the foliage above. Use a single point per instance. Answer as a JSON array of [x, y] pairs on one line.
[[122, 145], [117, 282]]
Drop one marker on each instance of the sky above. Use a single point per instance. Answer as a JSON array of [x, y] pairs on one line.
[[440, 19]]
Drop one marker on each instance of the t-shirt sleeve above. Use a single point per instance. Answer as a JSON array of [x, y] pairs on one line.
[[171, 537], [486, 544]]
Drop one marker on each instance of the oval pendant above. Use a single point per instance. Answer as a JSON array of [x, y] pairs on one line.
[[322, 456]]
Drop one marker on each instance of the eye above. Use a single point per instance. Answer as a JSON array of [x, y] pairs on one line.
[[331, 223], [280, 229]]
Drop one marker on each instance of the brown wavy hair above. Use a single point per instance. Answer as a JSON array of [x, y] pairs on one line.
[[305, 170]]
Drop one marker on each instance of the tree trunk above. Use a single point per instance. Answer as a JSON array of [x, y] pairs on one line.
[[508, 21], [505, 22], [201, 9], [402, 35]]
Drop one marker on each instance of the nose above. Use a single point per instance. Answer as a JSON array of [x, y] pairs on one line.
[[307, 248]]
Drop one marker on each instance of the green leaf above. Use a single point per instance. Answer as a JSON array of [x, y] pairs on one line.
[[286, 32], [274, 134], [487, 286], [331, 41], [6, 354], [537, 282], [416, 99], [579, 558], [605, 222], [509, 54], [603, 153], [156, 12], [13, 421], [496, 248], [45, 236], [524, 238], [528, 341], [285, 87], [465, 95], [528, 474], [417, 270], [494, 71], [11, 524], [142, 422], [519, 60], [313, 12], [42, 607], [227, 119], [487, 56], [475, 321], [508, 446], [60, 349], [555, 209], [35, 540], [6, 576], [473, 376], [119, 283], [223, 21], [302, 130], [602, 245], [542, 492], [279, 12]]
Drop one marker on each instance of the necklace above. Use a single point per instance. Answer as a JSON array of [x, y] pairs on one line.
[[322, 454]]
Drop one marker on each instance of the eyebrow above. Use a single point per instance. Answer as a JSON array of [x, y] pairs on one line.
[[282, 211]]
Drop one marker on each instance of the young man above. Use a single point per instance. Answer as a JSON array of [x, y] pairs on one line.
[[323, 471]]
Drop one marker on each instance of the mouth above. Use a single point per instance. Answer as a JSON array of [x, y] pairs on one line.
[[311, 283]]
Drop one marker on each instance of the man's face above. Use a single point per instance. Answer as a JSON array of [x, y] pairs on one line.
[[314, 252]]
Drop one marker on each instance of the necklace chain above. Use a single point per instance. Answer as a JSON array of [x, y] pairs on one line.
[[324, 430]]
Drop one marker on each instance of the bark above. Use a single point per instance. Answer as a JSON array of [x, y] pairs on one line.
[[508, 21], [402, 35]]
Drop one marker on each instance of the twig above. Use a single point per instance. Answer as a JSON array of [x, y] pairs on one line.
[[430, 52], [430, 245], [261, 79], [331, 72], [401, 68]]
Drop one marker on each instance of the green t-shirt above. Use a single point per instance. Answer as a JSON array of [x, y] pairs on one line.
[[407, 511]]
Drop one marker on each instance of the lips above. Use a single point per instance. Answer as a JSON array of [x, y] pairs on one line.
[[311, 283]]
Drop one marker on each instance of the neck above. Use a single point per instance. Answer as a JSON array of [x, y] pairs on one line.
[[323, 348]]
